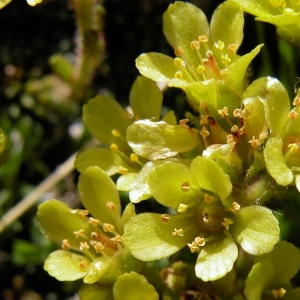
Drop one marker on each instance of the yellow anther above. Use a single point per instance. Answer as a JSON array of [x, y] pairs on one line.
[[193, 247], [94, 235], [182, 208], [282, 3], [235, 206], [209, 53], [184, 122], [296, 101], [84, 246], [278, 293], [79, 233], [204, 133], [178, 51], [111, 206], [114, 147], [232, 48], [98, 247], [116, 133], [204, 120], [219, 45], [116, 239], [195, 45], [237, 113], [83, 212], [223, 72], [200, 69], [293, 148], [205, 60], [208, 198], [94, 221], [254, 142], [225, 59], [234, 129], [178, 75], [227, 222], [134, 157], [231, 138], [293, 114], [165, 218], [202, 39], [185, 187], [93, 242], [108, 227], [122, 170], [179, 62], [200, 241], [83, 264], [223, 112], [241, 130], [178, 232], [65, 244]]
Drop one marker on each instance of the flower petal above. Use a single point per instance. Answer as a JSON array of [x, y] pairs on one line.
[[149, 238], [216, 259], [95, 291]]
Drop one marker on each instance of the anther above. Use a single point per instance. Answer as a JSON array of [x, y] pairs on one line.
[[234, 129], [83, 264], [84, 246], [227, 222], [202, 39], [204, 133], [278, 293], [208, 198], [182, 208], [94, 235], [65, 244], [185, 187], [114, 147], [116, 133], [134, 157], [79, 233], [232, 48], [165, 218], [94, 221], [178, 51], [293, 148], [200, 69], [200, 241], [108, 227], [193, 247], [237, 113], [235, 207], [225, 59], [223, 112], [111, 206], [178, 62], [178, 232], [296, 101], [83, 212], [178, 75], [293, 114], [195, 45], [223, 72], [219, 45], [98, 247], [204, 120], [231, 138], [122, 170], [116, 239], [184, 122], [254, 142], [209, 53]]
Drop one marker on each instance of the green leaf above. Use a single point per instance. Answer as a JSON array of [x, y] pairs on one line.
[[216, 259], [227, 24], [58, 222], [165, 185], [133, 286], [125, 181], [285, 258], [275, 163], [255, 229], [159, 140], [96, 189], [181, 30], [64, 265], [170, 118], [128, 213], [95, 291], [109, 161], [211, 177], [148, 238], [145, 99], [260, 276], [156, 66], [102, 115]]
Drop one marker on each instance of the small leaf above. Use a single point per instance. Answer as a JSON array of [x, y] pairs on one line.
[[128, 213], [159, 140], [133, 286], [64, 265], [216, 259], [95, 291], [96, 189], [259, 277], [125, 181], [255, 229], [145, 99], [148, 238], [211, 177], [275, 163]]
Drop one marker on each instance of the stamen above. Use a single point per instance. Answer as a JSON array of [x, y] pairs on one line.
[[111, 206], [185, 187], [200, 241], [116, 239], [122, 170], [234, 129], [296, 101], [65, 244], [241, 130], [193, 247], [178, 75], [93, 221], [94, 235], [231, 138], [204, 120], [116, 133], [225, 59], [182, 208], [227, 222], [208, 198], [202, 39], [108, 227], [79, 233], [178, 232], [235, 207], [114, 147], [204, 133], [223, 112], [134, 157], [232, 48], [83, 212], [98, 247], [195, 45], [83, 264], [93, 242], [278, 293], [179, 62], [165, 218], [293, 114], [237, 113], [254, 142], [219, 45], [178, 51], [84, 246], [223, 72], [293, 148], [184, 122]]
